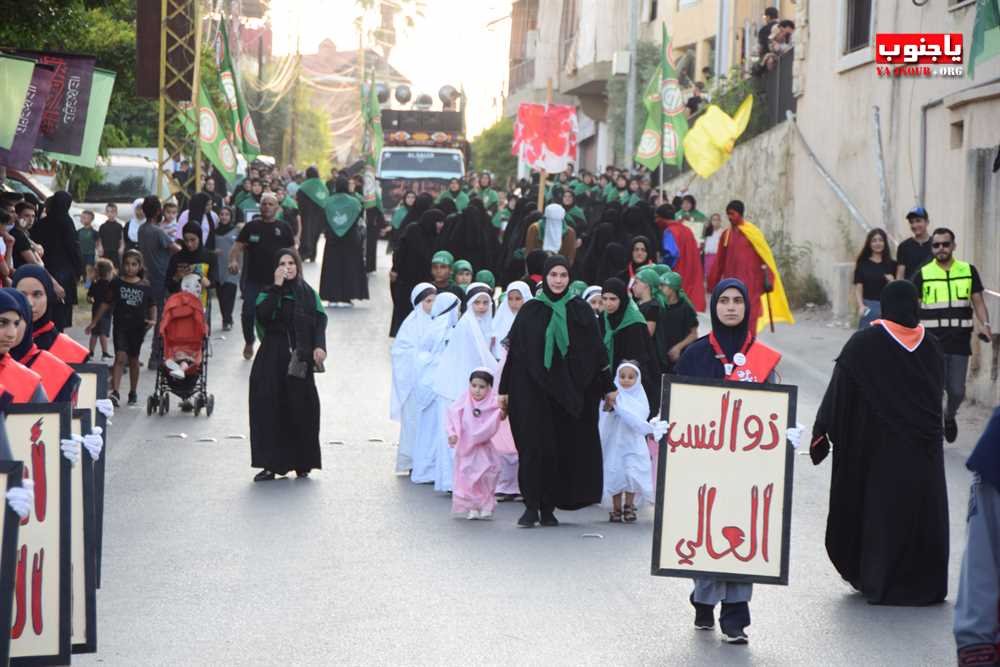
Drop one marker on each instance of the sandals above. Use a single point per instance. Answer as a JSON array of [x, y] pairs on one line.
[[615, 516], [628, 514], [263, 476]]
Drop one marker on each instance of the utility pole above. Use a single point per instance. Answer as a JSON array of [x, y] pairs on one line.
[[633, 39]]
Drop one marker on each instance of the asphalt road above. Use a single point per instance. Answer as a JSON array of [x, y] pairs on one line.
[[358, 566]]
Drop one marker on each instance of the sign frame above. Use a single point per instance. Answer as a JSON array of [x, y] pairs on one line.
[[84, 588], [61, 411], [101, 373], [11, 474], [657, 568]]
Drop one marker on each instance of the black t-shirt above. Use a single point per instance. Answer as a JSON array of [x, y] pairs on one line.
[[913, 256], [21, 243], [954, 341], [110, 234], [264, 240], [99, 291], [872, 277], [693, 103], [130, 302], [675, 324], [650, 310]]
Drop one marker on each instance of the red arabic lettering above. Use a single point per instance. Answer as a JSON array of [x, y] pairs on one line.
[[20, 608], [36, 591], [713, 436], [38, 463], [733, 535]]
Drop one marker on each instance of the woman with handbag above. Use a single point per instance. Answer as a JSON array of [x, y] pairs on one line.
[[284, 404]]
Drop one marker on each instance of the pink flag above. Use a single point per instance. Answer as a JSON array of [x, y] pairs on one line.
[[545, 136]]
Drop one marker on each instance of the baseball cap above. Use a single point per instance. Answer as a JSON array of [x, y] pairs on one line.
[[918, 212]]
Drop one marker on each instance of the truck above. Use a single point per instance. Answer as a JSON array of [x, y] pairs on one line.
[[422, 151]]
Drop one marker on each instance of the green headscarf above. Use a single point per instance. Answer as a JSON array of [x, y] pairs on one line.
[[661, 269], [577, 288], [649, 276], [398, 215], [443, 257], [557, 332], [461, 265], [631, 316], [486, 276], [673, 281]]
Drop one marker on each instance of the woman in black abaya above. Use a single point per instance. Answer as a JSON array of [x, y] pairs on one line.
[[511, 266], [887, 530], [411, 263], [343, 276], [626, 338], [603, 234], [56, 233], [312, 219], [552, 383], [473, 238], [284, 406]]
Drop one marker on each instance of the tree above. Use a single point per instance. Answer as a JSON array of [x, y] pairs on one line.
[[491, 151]]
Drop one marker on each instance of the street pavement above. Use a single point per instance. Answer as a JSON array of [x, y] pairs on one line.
[[357, 566]]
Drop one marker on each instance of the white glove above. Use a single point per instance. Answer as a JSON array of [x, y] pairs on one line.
[[794, 435], [22, 498], [659, 428], [94, 443], [71, 448], [105, 407]]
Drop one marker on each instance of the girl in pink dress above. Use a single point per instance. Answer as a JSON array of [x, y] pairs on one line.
[[473, 420]]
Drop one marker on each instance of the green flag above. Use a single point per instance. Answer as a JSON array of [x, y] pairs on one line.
[[666, 124], [97, 111], [15, 77], [342, 211], [246, 141], [372, 113], [985, 34], [214, 145]]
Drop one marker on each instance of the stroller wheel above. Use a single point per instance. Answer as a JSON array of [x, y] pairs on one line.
[[210, 405], [150, 405], [164, 404]]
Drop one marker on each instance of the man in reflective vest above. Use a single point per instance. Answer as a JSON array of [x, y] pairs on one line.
[[951, 292]]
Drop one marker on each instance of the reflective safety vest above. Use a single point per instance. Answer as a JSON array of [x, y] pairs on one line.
[[20, 381], [945, 302], [69, 350]]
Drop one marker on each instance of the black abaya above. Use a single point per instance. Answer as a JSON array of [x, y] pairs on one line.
[[312, 219], [633, 343], [887, 530], [411, 262], [343, 277], [284, 410], [553, 412], [374, 222]]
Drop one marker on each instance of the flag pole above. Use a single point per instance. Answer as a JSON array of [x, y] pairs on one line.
[[542, 176]]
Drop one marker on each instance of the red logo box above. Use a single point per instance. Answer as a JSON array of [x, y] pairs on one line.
[[923, 49]]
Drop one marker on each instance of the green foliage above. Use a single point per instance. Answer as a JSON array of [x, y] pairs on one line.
[[491, 151], [271, 126], [793, 262], [647, 59], [313, 143]]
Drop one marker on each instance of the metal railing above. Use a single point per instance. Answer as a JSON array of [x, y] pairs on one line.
[[521, 74]]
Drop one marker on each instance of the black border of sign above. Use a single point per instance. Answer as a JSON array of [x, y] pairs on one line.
[[786, 519], [90, 554], [101, 371], [14, 470], [65, 588]]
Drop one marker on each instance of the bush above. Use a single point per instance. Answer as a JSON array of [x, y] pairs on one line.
[[792, 260], [491, 152]]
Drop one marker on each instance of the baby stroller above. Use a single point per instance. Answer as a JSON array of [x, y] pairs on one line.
[[185, 354]]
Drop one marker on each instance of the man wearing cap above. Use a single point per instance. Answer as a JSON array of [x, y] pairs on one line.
[[441, 264], [914, 253], [950, 290]]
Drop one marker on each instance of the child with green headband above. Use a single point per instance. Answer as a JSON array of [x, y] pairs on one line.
[[462, 270], [678, 324]]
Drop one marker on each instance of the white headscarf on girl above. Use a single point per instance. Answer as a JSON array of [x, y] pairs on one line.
[[134, 223], [468, 346], [554, 216], [504, 318], [632, 405], [408, 360]]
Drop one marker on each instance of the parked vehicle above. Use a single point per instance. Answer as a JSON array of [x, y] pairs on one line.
[[19, 181]]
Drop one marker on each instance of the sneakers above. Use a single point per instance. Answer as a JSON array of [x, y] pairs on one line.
[[950, 430], [105, 355], [133, 398], [115, 397], [472, 515], [704, 615], [739, 638]]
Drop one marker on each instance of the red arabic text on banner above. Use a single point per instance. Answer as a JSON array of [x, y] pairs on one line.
[[545, 136]]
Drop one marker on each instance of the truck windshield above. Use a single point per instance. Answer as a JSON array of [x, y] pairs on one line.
[[421, 164], [122, 184]]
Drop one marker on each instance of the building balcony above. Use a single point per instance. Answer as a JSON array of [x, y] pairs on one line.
[[522, 75]]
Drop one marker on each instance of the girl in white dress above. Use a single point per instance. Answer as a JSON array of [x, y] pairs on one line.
[[627, 468]]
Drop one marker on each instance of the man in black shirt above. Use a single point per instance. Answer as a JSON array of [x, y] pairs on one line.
[[110, 233], [259, 241], [764, 34], [914, 253]]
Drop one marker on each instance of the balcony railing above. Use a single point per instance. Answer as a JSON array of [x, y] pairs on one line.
[[521, 74]]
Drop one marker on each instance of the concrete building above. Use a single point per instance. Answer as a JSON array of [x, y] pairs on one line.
[[939, 139]]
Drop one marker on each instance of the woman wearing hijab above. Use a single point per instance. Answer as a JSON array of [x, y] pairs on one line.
[[411, 263], [556, 373], [311, 212], [343, 277], [191, 258], [887, 530], [489, 196], [422, 413], [408, 362], [512, 252], [201, 214], [518, 293], [284, 404], [552, 234], [23, 384], [613, 263], [638, 220], [34, 282], [59, 380], [642, 255], [602, 235], [626, 337], [408, 201], [455, 195], [130, 237], [56, 233], [732, 352], [472, 237]]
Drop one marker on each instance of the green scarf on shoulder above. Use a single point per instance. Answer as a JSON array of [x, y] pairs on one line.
[[461, 199], [500, 217], [342, 211], [489, 197], [632, 316], [289, 296], [316, 190], [398, 215], [575, 217], [557, 332]]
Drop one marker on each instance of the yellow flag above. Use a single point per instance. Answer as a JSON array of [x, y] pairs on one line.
[[709, 144]]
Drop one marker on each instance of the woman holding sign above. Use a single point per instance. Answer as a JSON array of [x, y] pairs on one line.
[[730, 352]]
